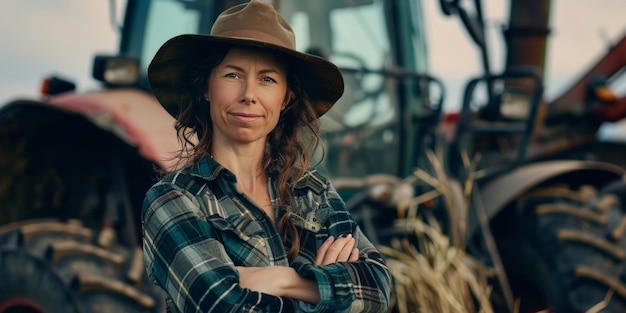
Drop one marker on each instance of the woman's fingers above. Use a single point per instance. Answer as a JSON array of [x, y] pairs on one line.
[[334, 250], [339, 252], [321, 252], [354, 256]]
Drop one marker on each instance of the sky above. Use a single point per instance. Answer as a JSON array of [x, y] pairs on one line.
[[43, 37]]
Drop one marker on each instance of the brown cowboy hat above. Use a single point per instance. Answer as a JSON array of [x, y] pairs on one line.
[[253, 24]]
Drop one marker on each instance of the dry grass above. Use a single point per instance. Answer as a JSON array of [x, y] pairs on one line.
[[431, 271], [430, 275]]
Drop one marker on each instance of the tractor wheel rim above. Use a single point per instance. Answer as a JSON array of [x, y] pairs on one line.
[[21, 305]]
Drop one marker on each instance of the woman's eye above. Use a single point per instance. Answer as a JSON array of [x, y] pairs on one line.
[[231, 75], [269, 79]]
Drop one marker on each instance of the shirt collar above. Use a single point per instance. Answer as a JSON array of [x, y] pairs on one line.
[[210, 169]]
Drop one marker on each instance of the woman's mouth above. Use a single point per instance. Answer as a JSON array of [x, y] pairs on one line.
[[245, 117]]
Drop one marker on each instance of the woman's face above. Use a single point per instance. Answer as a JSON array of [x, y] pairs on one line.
[[246, 91]]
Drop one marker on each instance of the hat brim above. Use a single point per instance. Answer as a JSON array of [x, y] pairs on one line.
[[320, 79]]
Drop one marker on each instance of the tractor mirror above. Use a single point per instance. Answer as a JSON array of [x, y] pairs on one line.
[[116, 70]]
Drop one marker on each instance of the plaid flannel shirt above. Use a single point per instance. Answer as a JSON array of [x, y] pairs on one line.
[[197, 227]]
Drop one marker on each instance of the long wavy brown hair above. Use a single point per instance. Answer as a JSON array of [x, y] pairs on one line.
[[290, 145]]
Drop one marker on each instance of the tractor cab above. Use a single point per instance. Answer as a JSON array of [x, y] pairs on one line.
[[380, 46]]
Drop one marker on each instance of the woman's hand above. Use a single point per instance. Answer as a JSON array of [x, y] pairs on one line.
[[337, 250]]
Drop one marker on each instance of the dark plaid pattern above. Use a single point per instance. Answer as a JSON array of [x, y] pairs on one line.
[[197, 227]]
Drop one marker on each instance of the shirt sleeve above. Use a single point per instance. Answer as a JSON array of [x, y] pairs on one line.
[[183, 256], [360, 286]]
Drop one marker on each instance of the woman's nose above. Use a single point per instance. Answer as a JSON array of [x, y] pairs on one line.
[[249, 93]]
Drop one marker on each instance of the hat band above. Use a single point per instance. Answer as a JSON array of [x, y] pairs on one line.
[[250, 34]]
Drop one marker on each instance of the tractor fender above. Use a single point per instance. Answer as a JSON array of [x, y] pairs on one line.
[[132, 115], [498, 193]]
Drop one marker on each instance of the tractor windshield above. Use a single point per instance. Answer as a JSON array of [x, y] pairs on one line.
[[369, 128]]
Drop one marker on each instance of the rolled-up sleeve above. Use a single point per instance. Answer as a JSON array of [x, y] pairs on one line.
[[183, 256]]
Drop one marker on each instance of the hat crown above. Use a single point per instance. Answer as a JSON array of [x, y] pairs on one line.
[[256, 20]]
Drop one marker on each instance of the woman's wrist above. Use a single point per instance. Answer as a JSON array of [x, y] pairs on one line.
[[297, 287], [280, 281]]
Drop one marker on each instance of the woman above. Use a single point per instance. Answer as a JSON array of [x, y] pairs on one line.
[[245, 224]]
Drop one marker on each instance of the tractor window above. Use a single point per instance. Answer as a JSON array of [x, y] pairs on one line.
[[166, 19], [360, 131]]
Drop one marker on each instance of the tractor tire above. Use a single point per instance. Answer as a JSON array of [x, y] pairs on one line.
[[53, 266], [564, 251]]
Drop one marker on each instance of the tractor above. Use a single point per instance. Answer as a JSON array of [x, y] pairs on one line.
[[510, 205]]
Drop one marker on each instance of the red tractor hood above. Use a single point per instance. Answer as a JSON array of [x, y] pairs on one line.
[[134, 116]]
